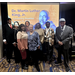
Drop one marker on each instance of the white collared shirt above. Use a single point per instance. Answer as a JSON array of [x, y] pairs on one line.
[[9, 25], [63, 27], [47, 29]]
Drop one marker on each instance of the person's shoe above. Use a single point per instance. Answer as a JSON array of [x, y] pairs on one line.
[[67, 69], [38, 69], [8, 60], [25, 67], [58, 63], [47, 62], [22, 67]]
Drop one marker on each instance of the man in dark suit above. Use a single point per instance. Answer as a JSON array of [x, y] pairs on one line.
[[8, 38], [63, 35]]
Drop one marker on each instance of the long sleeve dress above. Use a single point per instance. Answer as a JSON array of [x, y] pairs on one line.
[[22, 42], [41, 36], [33, 41]]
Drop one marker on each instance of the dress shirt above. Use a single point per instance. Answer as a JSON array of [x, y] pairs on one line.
[[47, 29], [63, 27], [10, 24]]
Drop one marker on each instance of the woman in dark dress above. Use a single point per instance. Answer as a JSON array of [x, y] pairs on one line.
[[40, 31], [16, 51]]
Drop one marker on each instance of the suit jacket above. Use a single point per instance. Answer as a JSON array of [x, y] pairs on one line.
[[49, 37], [8, 34], [65, 37]]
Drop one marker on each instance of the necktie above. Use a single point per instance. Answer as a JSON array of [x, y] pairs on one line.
[[10, 26], [62, 28]]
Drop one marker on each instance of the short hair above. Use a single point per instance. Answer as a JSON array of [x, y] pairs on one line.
[[30, 25], [36, 25], [47, 22], [28, 22], [21, 25], [16, 22], [8, 19]]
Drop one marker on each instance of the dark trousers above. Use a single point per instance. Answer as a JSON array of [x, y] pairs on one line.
[[33, 58], [70, 50], [49, 51], [74, 38], [17, 54], [65, 53], [4, 49], [40, 55], [9, 51]]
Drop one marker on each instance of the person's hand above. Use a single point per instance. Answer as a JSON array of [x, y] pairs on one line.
[[38, 47], [5, 42], [14, 44], [23, 50], [74, 34], [60, 43]]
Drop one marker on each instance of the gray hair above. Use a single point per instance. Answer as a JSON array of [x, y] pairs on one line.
[[30, 25]]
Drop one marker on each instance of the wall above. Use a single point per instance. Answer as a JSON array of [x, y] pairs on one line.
[[4, 12], [1, 50], [67, 11]]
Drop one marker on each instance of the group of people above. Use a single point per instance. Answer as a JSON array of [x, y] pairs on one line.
[[30, 45]]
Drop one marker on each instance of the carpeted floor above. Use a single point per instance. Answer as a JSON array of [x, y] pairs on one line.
[[44, 67]]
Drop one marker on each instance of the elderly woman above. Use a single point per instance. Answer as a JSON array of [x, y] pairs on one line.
[[22, 40], [33, 45]]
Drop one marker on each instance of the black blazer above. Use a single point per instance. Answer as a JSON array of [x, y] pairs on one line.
[[8, 34]]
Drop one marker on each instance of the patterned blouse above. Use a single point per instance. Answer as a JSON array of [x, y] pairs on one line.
[[33, 41]]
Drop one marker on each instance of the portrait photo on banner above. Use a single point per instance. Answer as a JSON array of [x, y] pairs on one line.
[[35, 13]]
